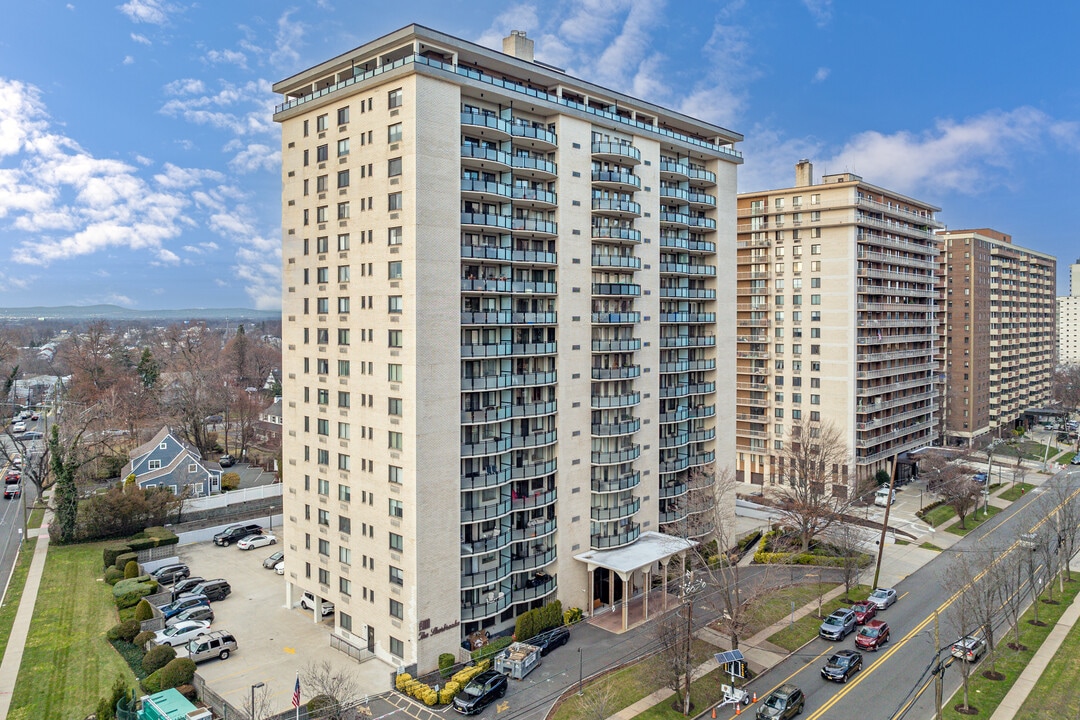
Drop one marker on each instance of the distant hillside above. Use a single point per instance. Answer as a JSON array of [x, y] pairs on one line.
[[88, 312]]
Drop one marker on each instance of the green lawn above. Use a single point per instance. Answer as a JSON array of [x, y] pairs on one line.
[[704, 693], [1066, 458], [973, 521], [1054, 695], [628, 685], [1016, 491], [930, 546], [937, 516], [777, 605], [14, 594], [805, 628], [68, 665], [985, 694], [36, 516]]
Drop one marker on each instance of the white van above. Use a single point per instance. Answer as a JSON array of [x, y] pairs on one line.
[[884, 496]]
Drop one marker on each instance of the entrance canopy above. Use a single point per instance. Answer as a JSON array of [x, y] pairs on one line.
[[649, 548]]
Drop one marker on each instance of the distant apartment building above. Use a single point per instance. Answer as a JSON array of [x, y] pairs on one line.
[[998, 326], [1068, 320], [836, 323], [506, 337]]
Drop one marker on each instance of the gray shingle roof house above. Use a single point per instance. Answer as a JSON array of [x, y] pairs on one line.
[[168, 461]]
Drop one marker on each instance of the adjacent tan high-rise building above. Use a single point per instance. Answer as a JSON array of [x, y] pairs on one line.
[[507, 341], [999, 327], [836, 323], [1068, 320]]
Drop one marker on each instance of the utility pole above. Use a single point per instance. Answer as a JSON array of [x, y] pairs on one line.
[[885, 520], [939, 671]]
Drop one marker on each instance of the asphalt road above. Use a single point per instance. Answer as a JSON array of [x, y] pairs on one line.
[[892, 676]]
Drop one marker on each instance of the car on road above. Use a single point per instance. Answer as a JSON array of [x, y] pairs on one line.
[[480, 692], [842, 665], [968, 648], [838, 625], [884, 496], [783, 703], [226, 461], [18, 428], [169, 574], [35, 417], [231, 534], [864, 612], [551, 639], [1075, 460], [256, 541], [872, 635], [183, 603], [307, 601], [883, 597], [33, 435], [199, 612], [181, 632], [215, 644], [979, 478], [182, 586], [274, 559]]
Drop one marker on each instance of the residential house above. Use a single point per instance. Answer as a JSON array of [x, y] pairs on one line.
[[168, 461]]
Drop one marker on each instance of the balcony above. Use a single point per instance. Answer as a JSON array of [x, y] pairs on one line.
[[499, 128], [516, 287], [506, 317], [701, 177], [539, 166], [508, 254], [705, 223], [688, 317], [609, 232], [688, 366], [617, 512], [702, 199], [501, 222], [533, 197], [615, 207], [670, 268], [507, 380], [528, 594], [496, 540], [617, 373], [537, 499], [474, 187], [678, 170], [677, 391], [534, 226], [688, 341], [674, 218], [625, 181], [614, 429], [625, 318], [541, 136], [615, 457], [625, 482], [681, 439], [628, 345], [622, 261], [488, 158], [607, 541], [675, 193], [484, 578], [688, 413], [685, 243], [687, 293], [616, 152], [599, 402], [485, 512], [623, 289], [508, 349]]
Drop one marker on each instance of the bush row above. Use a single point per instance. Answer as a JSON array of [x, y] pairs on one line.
[[148, 538], [426, 694], [532, 623]]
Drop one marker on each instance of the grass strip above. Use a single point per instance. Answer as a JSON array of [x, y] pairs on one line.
[[14, 593], [704, 693], [1054, 695], [805, 629], [37, 515], [776, 606], [973, 521], [1013, 494], [937, 516], [68, 664], [986, 695], [930, 546]]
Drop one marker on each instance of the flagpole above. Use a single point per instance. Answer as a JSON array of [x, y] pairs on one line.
[[296, 695]]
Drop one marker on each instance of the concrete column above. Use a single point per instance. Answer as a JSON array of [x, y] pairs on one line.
[[664, 570], [648, 587], [626, 601]]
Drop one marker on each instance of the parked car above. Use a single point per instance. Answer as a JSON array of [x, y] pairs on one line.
[[183, 603], [968, 648], [307, 601], [1075, 460], [551, 639], [35, 417], [842, 665], [872, 635], [480, 692], [979, 478], [838, 625], [864, 612], [213, 589], [884, 496], [182, 586], [233, 533], [783, 703], [280, 568], [169, 574], [199, 612], [33, 435], [215, 644], [256, 541], [883, 597], [274, 559], [226, 460], [181, 632]]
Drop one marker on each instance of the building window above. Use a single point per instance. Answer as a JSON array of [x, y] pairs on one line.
[[397, 648], [393, 133], [345, 586], [343, 178], [394, 406], [343, 115], [393, 270], [322, 305], [321, 183], [344, 493], [815, 349], [394, 201], [343, 336], [321, 122], [323, 396], [343, 273], [396, 508], [344, 524], [815, 399], [343, 462], [397, 542], [815, 299], [815, 249], [394, 304], [323, 429], [397, 610], [393, 372], [324, 519], [394, 98], [343, 147], [321, 213], [343, 241], [393, 167], [394, 338], [344, 555], [815, 282], [345, 621], [394, 474], [323, 366], [343, 430], [323, 457], [322, 336], [393, 236], [397, 576], [322, 153], [394, 441], [343, 399], [343, 305], [343, 367], [153, 465], [324, 547], [343, 210]]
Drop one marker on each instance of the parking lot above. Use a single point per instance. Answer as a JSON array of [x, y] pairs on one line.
[[274, 642]]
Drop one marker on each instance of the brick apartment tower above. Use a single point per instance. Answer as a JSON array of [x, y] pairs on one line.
[[836, 323], [502, 289], [999, 329]]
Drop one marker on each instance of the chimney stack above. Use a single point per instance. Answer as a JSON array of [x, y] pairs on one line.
[[804, 173], [518, 45]]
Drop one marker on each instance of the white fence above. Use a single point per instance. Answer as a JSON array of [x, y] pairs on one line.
[[233, 497], [270, 523]]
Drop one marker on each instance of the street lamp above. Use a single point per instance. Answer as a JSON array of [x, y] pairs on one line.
[[255, 687], [580, 672]]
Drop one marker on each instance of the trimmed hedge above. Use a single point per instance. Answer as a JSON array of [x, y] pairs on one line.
[[123, 558], [143, 611], [142, 638], [573, 616], [178, 672], [113, 576], [157, 657], [492, 648], [131, 569], [405, 683], [532, 623], [125, 631], [446, 664], [148, 538], [111, 552]]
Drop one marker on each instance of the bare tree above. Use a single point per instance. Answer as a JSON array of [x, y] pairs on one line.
[[809, 463], [1063, 491], [1011, 575], [1065, 386], [963, 613], [257, 704], [849, 543], [987, 598], [195, 382], [961, 493], [673, 665], [597, 702], [338, 688]]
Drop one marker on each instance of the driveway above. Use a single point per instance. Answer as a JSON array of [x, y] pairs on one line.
[[274, 642]]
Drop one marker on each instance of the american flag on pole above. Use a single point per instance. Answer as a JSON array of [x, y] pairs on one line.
[[296, 693]]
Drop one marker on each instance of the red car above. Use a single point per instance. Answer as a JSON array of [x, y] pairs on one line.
[[872, 635], [864, 612]]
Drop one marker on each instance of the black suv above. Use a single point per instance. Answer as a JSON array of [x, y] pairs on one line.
[[185, 585], [783, 703], [226, 460], [168, 574], [551, 639], [481, 691], [233, 533], [213, 589]]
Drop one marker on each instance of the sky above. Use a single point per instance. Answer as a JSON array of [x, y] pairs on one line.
[[139, 160]]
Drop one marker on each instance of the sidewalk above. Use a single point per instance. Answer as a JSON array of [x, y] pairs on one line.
[[9, 667]]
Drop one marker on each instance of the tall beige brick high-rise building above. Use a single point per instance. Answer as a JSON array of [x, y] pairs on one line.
[[998, 326], [1068, 320], [502, 293], [836, 323]]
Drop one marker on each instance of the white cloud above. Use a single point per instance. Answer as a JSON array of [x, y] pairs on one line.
[[229, 57], [821, 74], [254, 157], [185, 86], [153, 12], [287, 41], [129, 60], [770, 157], [820, 11], [241, 109], [141, 39]]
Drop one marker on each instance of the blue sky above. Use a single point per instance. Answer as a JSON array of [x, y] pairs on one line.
[[139, 160]]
